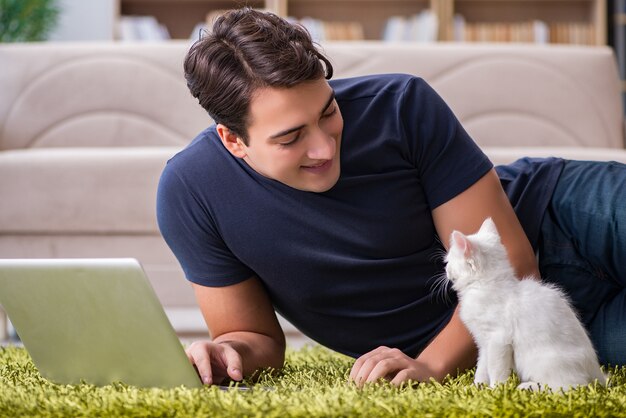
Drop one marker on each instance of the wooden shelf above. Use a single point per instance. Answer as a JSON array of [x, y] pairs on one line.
[[618, 28], [180, 16], [556, 14], [371, 14]]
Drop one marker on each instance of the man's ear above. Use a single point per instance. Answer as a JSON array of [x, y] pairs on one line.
[[231, 141]]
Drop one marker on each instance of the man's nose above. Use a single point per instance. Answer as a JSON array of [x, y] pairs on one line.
[[322, 146]]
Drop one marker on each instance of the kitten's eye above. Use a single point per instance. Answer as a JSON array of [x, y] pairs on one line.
[[471, 264]]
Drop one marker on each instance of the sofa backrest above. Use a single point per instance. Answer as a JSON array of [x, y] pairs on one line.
[[96, 95], [121, 95], [509, 94]]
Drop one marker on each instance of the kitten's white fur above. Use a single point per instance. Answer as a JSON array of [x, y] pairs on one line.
[[523, 325]]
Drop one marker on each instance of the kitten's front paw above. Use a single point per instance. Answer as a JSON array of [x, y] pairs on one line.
[[532, 386], [481, 377]]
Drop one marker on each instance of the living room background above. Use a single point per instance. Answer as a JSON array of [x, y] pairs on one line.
[[44, 123], [586, 22]]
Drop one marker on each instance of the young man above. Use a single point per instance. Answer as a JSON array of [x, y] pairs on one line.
[[332, 203]]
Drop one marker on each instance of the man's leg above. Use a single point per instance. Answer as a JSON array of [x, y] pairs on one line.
[[583, 250], [608, 328]]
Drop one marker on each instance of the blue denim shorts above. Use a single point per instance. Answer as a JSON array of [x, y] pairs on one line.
[[582, 249]]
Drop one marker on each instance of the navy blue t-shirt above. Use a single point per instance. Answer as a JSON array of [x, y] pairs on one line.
[[354, 267]]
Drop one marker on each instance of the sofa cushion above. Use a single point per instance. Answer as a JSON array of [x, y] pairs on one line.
[[508, 94], [506, 155], [96, 95], [118, 94], [80, 190], [156, 258]]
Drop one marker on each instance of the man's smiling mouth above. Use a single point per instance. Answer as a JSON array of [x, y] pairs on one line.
[[318, 167]]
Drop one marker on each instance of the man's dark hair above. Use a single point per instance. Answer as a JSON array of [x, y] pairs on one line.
[[247, 50]]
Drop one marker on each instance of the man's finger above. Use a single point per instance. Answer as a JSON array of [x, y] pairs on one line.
[[383, 369], [232, 360], [203, 364], [358, 364], [189, 356], [364, 373], [401, 377]]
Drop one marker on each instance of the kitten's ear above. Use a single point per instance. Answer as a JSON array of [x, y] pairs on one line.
[[460, 241], [489, 226]]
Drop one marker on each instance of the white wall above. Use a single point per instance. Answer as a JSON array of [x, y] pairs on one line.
[[85, 20]]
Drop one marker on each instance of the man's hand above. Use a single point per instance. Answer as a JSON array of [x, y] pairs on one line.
[[215, 361], [389, 364]]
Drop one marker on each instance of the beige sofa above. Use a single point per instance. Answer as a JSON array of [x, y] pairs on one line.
[[85, 130]]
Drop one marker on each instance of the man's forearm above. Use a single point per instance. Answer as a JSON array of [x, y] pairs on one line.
[[256, 350], [452, 350]]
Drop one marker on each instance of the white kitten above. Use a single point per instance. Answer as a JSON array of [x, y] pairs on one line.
[[523, 325]]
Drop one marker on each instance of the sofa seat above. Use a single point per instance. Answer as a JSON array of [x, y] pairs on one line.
[[88, 202], [80, 190]]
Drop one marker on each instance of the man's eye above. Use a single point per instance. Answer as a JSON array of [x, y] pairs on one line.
[[329, 114], [292, 141]]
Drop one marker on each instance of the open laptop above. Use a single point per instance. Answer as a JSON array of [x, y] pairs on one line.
[[93, 320]]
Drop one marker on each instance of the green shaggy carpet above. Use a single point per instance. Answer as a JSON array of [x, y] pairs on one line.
[[312, 384]]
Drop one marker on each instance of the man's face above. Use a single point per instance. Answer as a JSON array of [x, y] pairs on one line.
[[295, 135]]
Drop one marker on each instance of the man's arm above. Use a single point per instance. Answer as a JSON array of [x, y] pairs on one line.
[[246, 335], [453, 348], [467, 211]]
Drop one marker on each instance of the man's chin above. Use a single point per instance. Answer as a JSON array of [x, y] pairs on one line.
[[325, 186]]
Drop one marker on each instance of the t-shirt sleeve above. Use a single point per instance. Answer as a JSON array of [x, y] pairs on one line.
[[191, 234], [447, 158]]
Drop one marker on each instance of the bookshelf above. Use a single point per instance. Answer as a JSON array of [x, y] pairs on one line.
[[617, 35], [371, 14], [564, 21], [367, 16], [556, 21], [179, 16]]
